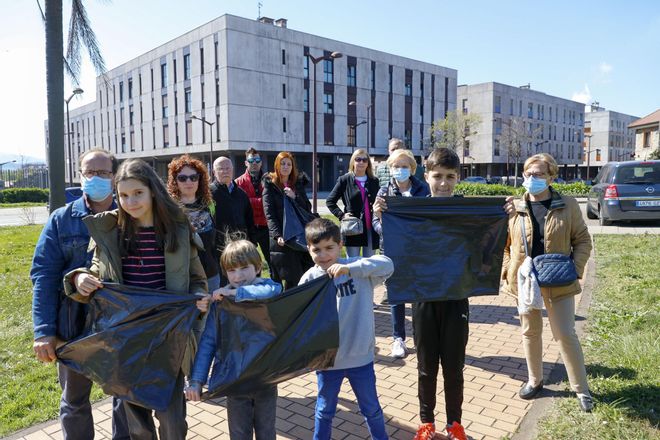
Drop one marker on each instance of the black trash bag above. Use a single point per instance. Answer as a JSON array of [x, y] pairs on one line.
[[295, 219], [133, 343], [445, 248], [271, 341]]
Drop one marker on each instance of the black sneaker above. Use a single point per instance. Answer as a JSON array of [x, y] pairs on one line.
[[529, 392]]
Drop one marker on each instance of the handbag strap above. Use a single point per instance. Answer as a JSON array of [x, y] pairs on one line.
[[524, 235]]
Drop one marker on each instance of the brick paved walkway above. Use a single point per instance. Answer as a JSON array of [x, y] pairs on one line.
[[495, 369]]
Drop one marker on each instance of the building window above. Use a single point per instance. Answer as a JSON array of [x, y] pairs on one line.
[[498, 104], [123, 143], [166, 112], [498, 126], [130, 88], [166, 136], [152, 79], [217, 92], [530, 110], [283, 56], [176, 134], [283, 91], [350, 139], [202, 92], [511, 108], [163, 75], [351, 76], [189, 132], [328, 106], [464, 106], [141, 115], [132, 140], [408, 89], [306, 100], [201, 60], [328, 71], [130, 116], [283, 125], [215, 54], [188, 100], [121, 91], [140, 83], [373, 75], [174, 70], [186, 66], [306, 67], [407, 138], [496, 147], [391, 80], [217, 128], [176, 104]]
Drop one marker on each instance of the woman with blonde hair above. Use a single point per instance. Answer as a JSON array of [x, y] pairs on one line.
[[357, 190], [550, 223]]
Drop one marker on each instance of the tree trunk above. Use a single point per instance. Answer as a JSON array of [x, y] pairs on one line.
[[515, 180], [55, 94]]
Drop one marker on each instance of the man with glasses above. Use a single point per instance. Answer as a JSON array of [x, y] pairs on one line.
[[62, 247], [232, 206], [250, 182]]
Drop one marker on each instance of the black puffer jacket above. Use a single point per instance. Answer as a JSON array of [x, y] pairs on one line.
[[346, 189]]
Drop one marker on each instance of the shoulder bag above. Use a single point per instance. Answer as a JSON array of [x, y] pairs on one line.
[[552, 270]]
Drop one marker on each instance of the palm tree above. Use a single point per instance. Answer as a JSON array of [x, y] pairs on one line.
[[80, 34]]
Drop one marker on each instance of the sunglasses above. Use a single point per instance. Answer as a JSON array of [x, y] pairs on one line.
[[183, 178], [254, 160], [362, 159]]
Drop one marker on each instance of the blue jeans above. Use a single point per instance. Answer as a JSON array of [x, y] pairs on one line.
[[363, 382], [398, 312], [253, 412]]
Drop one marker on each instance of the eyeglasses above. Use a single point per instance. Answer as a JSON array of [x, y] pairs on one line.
[[537, 175], [254, 160], [101, 173], [362, 159], [183, 178]]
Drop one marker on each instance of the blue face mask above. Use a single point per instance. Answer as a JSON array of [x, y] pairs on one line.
[[97, 188], [535, 185], [400, 174]]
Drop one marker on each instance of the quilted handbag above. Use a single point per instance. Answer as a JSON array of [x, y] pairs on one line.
[[351, 225], [552, 270]]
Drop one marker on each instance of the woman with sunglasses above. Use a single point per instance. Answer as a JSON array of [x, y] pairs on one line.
[[188, 184], [357, 190]]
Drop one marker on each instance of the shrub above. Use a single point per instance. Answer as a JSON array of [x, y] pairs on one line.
[[479, 189], [19, 195]]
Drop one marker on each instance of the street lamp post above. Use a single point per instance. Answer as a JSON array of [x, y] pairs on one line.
[[76, 91], [355, 126], [4, 163], [368, 121], [210, 124], [588, 136], [315, 164]]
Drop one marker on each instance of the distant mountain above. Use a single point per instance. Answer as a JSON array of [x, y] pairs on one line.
[[19, 159]]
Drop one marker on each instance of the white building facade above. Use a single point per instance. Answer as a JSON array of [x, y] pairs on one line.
[[555, 125], [607, 138], [253, 82]]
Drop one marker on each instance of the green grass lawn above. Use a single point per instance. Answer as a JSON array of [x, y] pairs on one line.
[[622, 347], [30, 392], [22, 205]]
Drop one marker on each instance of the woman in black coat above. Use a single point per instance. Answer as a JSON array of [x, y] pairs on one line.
[[357, 190], [288, 264]]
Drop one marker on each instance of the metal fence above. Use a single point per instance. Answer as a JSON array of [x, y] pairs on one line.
[[28, 176]]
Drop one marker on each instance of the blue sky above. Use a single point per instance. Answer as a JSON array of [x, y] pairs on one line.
[[585, 50]]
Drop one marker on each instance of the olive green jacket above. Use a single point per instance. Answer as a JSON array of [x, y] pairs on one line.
[[565, 233]]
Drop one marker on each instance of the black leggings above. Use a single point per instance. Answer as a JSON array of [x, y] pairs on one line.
[[441, 334]]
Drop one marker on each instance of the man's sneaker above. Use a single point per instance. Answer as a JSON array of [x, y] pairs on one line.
[[398, 349], [456, 432], [426, 431]]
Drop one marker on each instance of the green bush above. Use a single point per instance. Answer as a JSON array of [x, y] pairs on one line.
[[480, 189], [20, 195]]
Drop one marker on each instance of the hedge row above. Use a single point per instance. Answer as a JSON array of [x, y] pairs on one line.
[[20, 195], [479, 189]]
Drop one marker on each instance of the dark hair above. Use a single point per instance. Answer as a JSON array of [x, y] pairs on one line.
[[106, 153], [252, 151], [443, 157], [322, 229], [175, 167], [167, 213]]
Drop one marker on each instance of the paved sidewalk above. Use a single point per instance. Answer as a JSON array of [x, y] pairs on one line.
[[495, 369]]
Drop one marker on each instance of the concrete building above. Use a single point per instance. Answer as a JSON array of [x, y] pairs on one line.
[[252, 80], [544, 123], [647, 135], [607, 138]]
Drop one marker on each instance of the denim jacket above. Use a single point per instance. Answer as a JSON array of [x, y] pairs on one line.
[[62, 246], [208, 344]]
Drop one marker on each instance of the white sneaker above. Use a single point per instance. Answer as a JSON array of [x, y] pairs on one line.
[[398, 349]]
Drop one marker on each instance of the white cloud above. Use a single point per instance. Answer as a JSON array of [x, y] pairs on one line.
[[583, 96], [605, 68]]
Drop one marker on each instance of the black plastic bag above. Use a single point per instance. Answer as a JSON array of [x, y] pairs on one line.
[[295, 219], [133, 342], [267, 342], [445, 248]]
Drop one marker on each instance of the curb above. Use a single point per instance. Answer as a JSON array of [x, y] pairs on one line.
[[528, 428]]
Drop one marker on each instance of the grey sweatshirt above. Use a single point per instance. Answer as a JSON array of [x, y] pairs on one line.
[[355, 295]]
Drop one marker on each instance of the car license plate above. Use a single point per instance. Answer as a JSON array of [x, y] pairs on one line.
[[643, 203]]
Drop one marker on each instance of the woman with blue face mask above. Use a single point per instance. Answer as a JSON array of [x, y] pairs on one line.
[[403, 183], [553, 224]]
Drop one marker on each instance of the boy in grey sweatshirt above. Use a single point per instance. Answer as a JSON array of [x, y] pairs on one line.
[[355, 279]]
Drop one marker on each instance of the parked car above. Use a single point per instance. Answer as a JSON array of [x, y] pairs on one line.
[[559, 180], [70, 194], [495, 180], [625, 191], [512, 180], [578, 180], [475, 179]]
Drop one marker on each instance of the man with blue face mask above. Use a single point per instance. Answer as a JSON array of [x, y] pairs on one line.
[[62, 246]]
